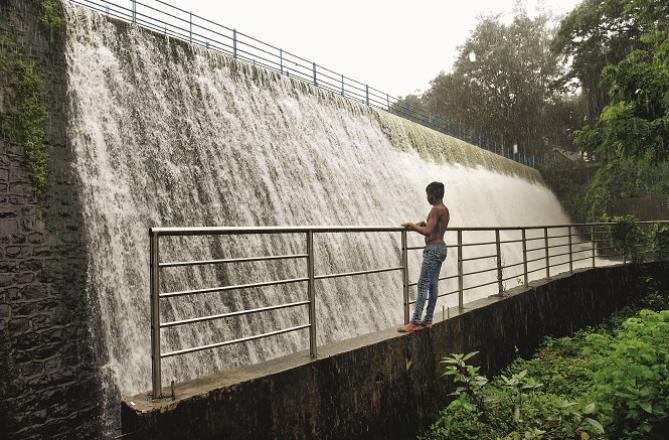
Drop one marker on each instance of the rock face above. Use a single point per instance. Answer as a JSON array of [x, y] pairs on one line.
[[48, 381]]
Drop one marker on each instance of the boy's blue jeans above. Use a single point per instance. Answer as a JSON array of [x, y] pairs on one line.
[[433, 256]]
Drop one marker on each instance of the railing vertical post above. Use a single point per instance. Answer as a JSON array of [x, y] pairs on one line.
[[154, 280], [134, 11], [367, 94], [311, 293], [592, 240], [313, 66], [342, 84], [548, 260], [234, 43], [461, 296], [281, 61], [405, 276], [190, 26], [571, 256], [524, 256], [498, 245]]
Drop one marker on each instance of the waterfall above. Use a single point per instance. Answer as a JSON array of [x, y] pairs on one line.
[[168, 134]]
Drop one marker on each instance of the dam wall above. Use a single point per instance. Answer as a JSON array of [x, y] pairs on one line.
[[386, 385], [49, 383]]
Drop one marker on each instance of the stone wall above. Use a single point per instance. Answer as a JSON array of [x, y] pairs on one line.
[[386, 385], [48, 383]]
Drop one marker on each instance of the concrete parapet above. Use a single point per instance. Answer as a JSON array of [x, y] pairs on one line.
[[384, 385]]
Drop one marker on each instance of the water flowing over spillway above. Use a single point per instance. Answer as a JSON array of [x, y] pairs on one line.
[[173, 135]]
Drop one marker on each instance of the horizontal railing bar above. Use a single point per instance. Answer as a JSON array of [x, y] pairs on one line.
[[479, 271], [479, 258], [413, 248], [514, 265], [448, 293], [558, 236], [511, 241], [231, 260], [536, 259], [209, 230], [480, 285], [536, 249], [234, 341], [361, 272], [557, 246], [439, 279], [227, 288], [536, 270], [232, 314], [560, 255], [515, 277], [589, 257], [482, 243]]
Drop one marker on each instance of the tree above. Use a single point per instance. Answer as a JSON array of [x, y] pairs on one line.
[[501, 85], [631, 133]]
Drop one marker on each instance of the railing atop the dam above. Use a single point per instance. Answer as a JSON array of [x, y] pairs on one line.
[[169, 20], [582, 243]]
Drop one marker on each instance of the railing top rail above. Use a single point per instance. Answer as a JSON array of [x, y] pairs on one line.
[[234, 230]]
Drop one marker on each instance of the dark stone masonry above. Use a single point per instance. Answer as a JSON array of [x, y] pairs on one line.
[[48, 380]]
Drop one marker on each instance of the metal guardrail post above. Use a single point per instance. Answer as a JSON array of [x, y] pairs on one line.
[[311, 293], [134, 11], [524, 256], [461, 279], [367, 94], [313, 65], [500, 286], [405, 275], [592, 240], [548, 259], [154, 280], [234, 43], [342, 84], [571, 254], [190, 26], [281, 61]]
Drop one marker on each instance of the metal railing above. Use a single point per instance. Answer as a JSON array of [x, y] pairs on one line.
[[582, 242], [161, 17]]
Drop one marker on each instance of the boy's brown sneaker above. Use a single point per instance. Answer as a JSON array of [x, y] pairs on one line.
[[410, 327], [427, 325]]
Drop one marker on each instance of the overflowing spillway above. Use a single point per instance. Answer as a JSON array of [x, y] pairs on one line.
[[173, 135]]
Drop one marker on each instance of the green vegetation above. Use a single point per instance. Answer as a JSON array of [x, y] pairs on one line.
[[25, 116], [608, 382], [51, 14]]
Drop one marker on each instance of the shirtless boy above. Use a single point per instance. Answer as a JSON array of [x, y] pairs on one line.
[[434, 255]]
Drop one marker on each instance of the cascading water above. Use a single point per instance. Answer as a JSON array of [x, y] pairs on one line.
[[173, 135]]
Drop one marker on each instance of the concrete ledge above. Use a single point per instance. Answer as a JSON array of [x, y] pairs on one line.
[[383, 385]]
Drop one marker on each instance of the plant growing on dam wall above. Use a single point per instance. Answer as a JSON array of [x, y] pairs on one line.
[[24, 115], [51, 14], [609, 382]]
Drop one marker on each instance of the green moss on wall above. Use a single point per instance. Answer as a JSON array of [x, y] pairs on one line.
[[51, 14], [24, 115]]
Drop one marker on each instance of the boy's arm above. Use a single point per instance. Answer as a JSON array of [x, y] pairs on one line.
[[428, 227]]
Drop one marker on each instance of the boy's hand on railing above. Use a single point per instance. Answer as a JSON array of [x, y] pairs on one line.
[[409, 226]]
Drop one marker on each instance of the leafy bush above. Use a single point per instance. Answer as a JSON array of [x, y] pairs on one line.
[[611, 381]]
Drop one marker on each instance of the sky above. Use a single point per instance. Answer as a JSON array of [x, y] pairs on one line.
[[394, 46]]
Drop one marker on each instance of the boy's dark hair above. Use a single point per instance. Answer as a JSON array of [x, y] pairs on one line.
[[436, 189]]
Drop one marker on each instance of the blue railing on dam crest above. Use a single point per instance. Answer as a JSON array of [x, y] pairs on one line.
[[175, 22]]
